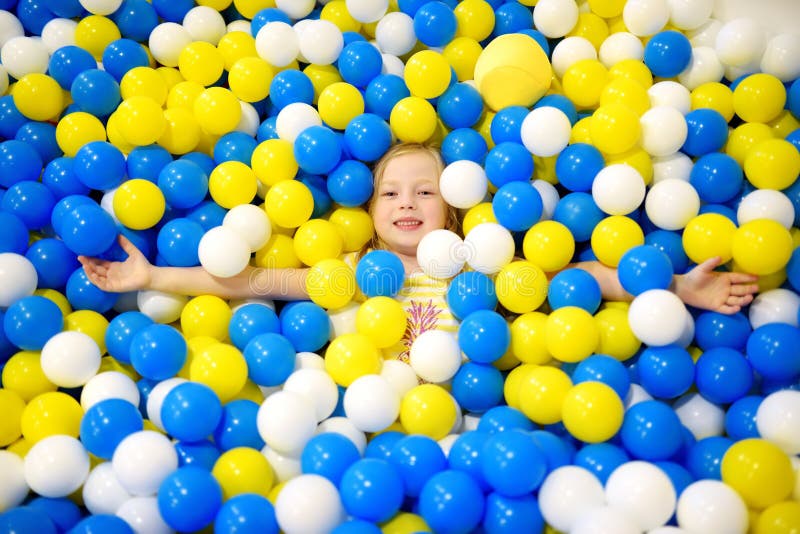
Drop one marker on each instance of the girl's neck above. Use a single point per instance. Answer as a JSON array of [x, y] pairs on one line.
[[410, 263]]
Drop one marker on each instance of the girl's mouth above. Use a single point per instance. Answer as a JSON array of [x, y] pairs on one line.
[[408, 224]]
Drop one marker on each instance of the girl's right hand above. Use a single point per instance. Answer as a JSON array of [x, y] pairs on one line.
[[133, 274]]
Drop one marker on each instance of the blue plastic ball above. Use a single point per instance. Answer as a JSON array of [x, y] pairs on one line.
[[203, 454], [601, 459], [237, 426], [59, 177], [11, 119], [512, 463], [416, 458], [251, 320], [13, 234], [512, 514], [740, 418], [643, 268], [451, 501], [508, 162], [464, 143], [517, 205], [559, 102], [723, 375], [99, 165], [717, 177], [461, 106], [605, 369], [158, 351], [465, 455], [579, 213], [191, 411], [34, 16], [265, 16], [506, 125], [704, 458], [383, 92], [31, 201], [574, 287], [772, 351], [42, 137], [484, 336], [64, 513], [367, 137], [178, 240], [577, 165], [350, 183], [714, 329], [234, 146], [512, 17], [651, 431], [270, 359], [290, 86], [380, 446], [83, 225], [105, 523], [106, 424], [82, 294], [136, 19], [64, 8], [31, 321], [120, 332], [670, 244], [247, 513], [667, 53], [707, 132], [359, 62], [678, 475], [306, 325], [371, 489], [329, 455], [665, 372], [184, 183], [18, 161], [122, 55], [380, 273], [503, 418], [96, 91], [435, 24], [469, 292], [793, 269], [317, 149], [189, 498], [53, 261], [26, 519], [477, 387]]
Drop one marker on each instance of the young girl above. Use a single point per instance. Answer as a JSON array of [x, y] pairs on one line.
[[405, 206]]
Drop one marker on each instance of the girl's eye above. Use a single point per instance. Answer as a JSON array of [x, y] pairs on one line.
[[388, 194]]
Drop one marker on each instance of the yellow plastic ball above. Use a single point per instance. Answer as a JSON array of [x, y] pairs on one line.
[[317, 240], [413, 119], [139, 204], [633, 69], [183, 94], [405, 523], [232, 183], [88, 322], [77, 129], [355, 225], [427, 74], [182, 132], [462, 54], [243, 470], [772, 164], [779, 518], [616, 337], [23, 375], [201, 62], [607, 8], [350, 356], [236, 45], [714, 95], [337, 13], [38, 97], [581, 131], [627, 92], [331, 283], [592, 412], [115, 136], [321, 76], [762, 246], [11, 406], [583, 82], [708, 235], [249, 79], [339, 103], [512, 70], [592, 28], [613, 237], [250, 392], [615, 129], [429, 410], [744, 137], [218, 5], [144, 81], [571, 334], [637, 158], [474, 19], [222, 368], [521, 286], [784, 124], [194, 345], [51, 413], [140, 120], [759, 471], [273, 161], [759, 97], [289, 203], [170, 75], [478, 214], [94, 33], [278, 253], [206, 315], [542, 394], [549, 244], [58, 298], [217, 110], [513, 383], [528, 342], [382, 320]]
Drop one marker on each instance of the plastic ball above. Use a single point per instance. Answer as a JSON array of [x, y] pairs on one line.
[[545, 142], [521, 286], [614, 128], [189, 498], [109, 385], [766, 204], [463, 184], [644, 492], [190, 412], [773, 419], [618, 189], [223, 252], [577, 165], [158, 351], [665, 372], [451, 499], [429, 410], [270, 359], [489, 247], [569, 51], [70, 359], [541, 394], [308, 503], [759, 471], [769, 164], [613, 236], [651, 431], [567, 493], [289, 203], [142, 461], [716, 177], [761, 246], [56, 466], [584, 81], [709, 235], [652, 311], [707, 132], [440, 254], [413, 119], [379, 273], [106, 424], [31, 321], [723, 375], [435, 356], [701, 418], [581, 409], [139, 204], [517, 205], [643, 268]]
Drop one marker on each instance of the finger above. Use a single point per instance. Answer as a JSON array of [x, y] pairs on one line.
[[741, 290], [127, 245], [742, 278], [710, 264], [728, 309]]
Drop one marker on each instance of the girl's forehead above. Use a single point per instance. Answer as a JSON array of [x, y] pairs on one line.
[[412, 165]]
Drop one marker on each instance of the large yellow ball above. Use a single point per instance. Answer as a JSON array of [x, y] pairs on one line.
[[427, 74], [521, 286], [708, 235], [206, 315], [571, 334], [761, 246], [592, 412], [243, 470], [317, 240], [38, 96], [382, 320], [331, 283], [350, 356], [428, 410], [542, 393], [139, 204], [549, 244], [613, 237], [289, 203], [528, 338], [759, 471]]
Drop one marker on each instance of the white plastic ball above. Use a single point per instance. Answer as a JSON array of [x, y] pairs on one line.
[[294, 118], [107, 203], [636, 394], [569, 51], [672, 203], [546, 131], [249, 121], [687, 336], [657, 317], [321, 42], [669, 93], [435, 356], [618, 189], [605, 520], [56, 466], [668, 530], [446, 443], [24, 55], [251, 223], [316, 387], [109, 385], [205, 24], [471, 421], [567, 493], [555, 18], [703, 418], [782, 57], [309, 360], [166, 42], [400, 376], [488, 248], [550, 197], [243, 26], [463, 184], [776, 420], [620, 46], [58, 33], [440, 254], [704, 67], [664, 130], [18, 278], [295, 9], [285, 467], [10, 27], [70, 359], [223, 252], [343, 320], [367, 11], [100, 7], [277, 43], [775, 306], [126, 302], [740, 42], [677, 166], [142, 515], [286, 421], [14, 489], [142, 461], [161, 307], [643, 491], [766, 204], [711, 506], [705, 34], [309, 503], [392, 65], [102, 492], [395, 33], [345, 427], [371, 403], [156, 399], [689, 14], [645, 17]]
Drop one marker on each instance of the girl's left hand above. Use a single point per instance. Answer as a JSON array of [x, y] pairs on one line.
[[723, 292]]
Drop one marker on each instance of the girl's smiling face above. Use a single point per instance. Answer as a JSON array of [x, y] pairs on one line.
[[407, 203]]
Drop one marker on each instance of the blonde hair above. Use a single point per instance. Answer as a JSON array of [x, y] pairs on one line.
[[378, 170]]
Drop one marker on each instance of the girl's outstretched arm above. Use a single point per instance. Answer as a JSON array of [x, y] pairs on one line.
[[136, 273]]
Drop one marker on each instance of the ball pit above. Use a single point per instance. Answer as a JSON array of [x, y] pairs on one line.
[[650, 135]]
